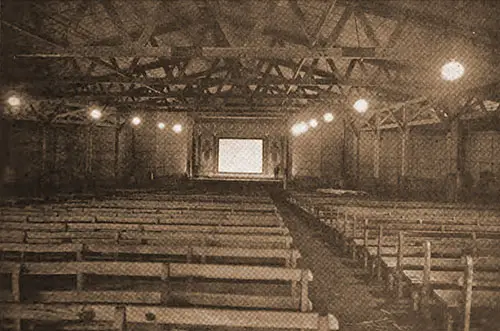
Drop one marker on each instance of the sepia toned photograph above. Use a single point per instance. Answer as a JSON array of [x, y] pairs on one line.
[[250, 165]]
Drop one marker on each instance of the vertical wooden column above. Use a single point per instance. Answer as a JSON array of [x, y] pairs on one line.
[[88, 163], [284, 160], [194, 152], [357, 161], [289, 159], [116, 161], [376, 148], [215, 154], [132, 171], [405, 137], [5, 142], [457, 158], [426, 282], [468, 278]]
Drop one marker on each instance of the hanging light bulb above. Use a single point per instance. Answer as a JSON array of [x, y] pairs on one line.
[[361, 106], [452, 70], [136, 121], [299, 128], [14, 101], [328, 117], [95, 114], [177, 128], [313, 123], [161, 125]]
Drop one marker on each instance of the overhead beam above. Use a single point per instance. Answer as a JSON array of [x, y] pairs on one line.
[[217, 52]]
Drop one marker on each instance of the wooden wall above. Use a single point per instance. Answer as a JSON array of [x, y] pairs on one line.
[[63, 157]]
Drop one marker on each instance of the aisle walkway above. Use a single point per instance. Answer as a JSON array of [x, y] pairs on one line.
[[341, 288]]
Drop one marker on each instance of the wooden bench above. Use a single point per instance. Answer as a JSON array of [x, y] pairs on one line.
[[460, 302], [56, 226], [117, 317], [148, 238], [286, 257], [166, 272], [148, 219], [173, 205]]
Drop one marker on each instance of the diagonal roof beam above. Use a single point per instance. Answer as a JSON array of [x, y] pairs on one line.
[[294, 5], [370, 32], [322, 22], [117, 21], [59, 47], [339, 27], [151, 24]]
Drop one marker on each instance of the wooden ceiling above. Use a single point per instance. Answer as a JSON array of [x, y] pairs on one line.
[[252, 58]]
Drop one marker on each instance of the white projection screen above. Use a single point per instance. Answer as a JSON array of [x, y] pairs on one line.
[[240, 156]]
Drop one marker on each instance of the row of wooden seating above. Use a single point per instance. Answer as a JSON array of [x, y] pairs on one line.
[[147, 219], [392, 241], [190, 254], [332, 202], [61, 224], [166, 272], [121, 317], [181, 205], [146, 237], [78, 261]]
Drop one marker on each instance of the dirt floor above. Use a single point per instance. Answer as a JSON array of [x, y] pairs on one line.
[[341, 287]]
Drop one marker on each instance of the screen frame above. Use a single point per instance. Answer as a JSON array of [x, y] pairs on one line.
[[240, 173]]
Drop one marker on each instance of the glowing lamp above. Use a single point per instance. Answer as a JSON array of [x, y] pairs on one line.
[[14, 101], [136, 121], [95, 114], [177, 128], [313, 123], [361, 106], [161, 125], [328, 117], [299, 129], [452, 71]]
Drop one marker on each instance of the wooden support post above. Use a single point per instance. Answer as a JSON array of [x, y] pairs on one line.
[[304, 291], [354, 222], [44, 149], [120, 319], [365, 240], [15, 281], [379, 252], [116, 160], [474, 244], [456, 147], [376, 148], [293, 259], [468, 278], [448, 320], [426, 282], [405, 136], [399, 266], [80, 277], [16, 293], [284, 161]]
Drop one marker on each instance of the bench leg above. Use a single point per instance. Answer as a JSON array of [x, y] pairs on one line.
[[448, 320], [390, 282], [365, 259], [415, 297], [379, 269], [399, 285]]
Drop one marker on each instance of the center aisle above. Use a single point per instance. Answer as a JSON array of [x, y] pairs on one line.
[[339, 287]]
